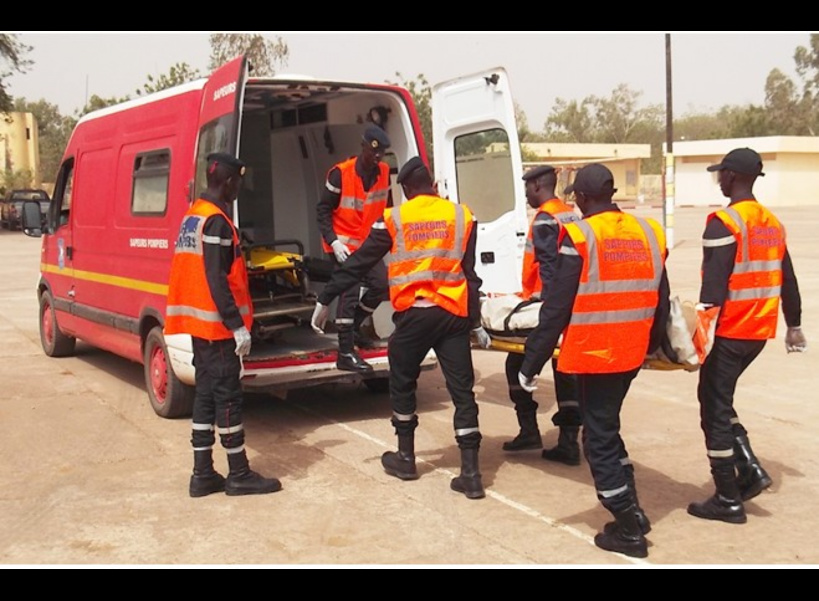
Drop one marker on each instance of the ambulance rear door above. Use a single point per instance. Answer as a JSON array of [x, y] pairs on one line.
[[477, 161]]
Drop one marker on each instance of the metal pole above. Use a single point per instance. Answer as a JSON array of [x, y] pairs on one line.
[[668, 188]]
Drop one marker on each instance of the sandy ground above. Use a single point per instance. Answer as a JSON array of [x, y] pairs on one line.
[[91, 476]]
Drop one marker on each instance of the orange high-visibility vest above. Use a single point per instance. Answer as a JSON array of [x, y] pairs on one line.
[[751, 309], [554, 210], [429, 239], [623, 262], [190, 308], [357, 209]]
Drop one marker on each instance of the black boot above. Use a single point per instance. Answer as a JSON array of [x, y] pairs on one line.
[[624, 536], [726, 504], [529, 435], [205, 480], [362, 339], [469, 482], [642, 519], [348, 357], [401, 464], [752, 479], [244, 481], [567, 450]]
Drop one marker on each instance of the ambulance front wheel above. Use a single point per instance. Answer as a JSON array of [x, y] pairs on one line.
[[54, 342], [168, 395]]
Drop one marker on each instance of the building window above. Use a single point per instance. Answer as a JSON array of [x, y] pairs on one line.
[[150, 189], [28, 133]]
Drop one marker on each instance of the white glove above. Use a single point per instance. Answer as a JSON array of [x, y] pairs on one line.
[[320, 315], [481, 337], [340, 250], [526, 383], [795, 341], [242, 338]]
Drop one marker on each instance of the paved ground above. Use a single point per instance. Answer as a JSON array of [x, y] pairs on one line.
[[92, 476]]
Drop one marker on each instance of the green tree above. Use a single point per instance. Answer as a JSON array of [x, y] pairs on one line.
[[54, 130], [571, 121], [178, 74], [12, 59], [421, 93], [96, 103], [263, 54]]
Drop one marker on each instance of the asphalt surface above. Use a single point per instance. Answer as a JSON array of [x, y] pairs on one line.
[[92, 477]]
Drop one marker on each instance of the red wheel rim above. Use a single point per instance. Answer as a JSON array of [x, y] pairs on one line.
[[48, 324], [159, 374]]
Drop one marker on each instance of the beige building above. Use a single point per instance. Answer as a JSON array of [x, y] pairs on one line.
[[790, 164], [20, 145], [622, 159]]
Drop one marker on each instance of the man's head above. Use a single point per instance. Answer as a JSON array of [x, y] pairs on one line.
[[415, 178], [738, 170], [540, 185], [374, 144], [224, 175], [593, 185]]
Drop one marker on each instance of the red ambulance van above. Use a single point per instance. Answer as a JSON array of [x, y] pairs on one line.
[[130, 171]]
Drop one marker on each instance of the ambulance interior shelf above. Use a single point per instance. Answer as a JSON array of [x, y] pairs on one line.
[[279, 286]]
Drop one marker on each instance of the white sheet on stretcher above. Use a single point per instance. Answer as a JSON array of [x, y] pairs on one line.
[[508, 318]]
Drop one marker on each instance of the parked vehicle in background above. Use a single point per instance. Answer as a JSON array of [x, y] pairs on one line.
[[11, 206]]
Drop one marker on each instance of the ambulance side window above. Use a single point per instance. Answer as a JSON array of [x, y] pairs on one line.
[[483, 164], [149, 195], [61, 203]]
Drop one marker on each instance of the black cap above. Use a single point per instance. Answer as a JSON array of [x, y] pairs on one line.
[[536, 172], [740, 160], [592, 179], [410, 167], [227, 160], [376, 137]]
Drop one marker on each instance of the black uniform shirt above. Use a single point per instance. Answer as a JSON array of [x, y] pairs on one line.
[[545, 232], [219, 253], [718, 264], [376, 246], [556, 310]]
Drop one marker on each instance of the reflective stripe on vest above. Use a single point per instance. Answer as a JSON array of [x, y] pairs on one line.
[[623, 259], [358, 209], [751, 309], [429, 237], [190, 307], [551, 212]]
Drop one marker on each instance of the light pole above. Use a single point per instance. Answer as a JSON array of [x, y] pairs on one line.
[[668, 164]]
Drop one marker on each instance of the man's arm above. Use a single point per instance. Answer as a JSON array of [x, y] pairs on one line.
[[473, 281], [556, 310], [376, 245], [791, 299], [219, 253], [719, 248], [545, 230], [328, 203]]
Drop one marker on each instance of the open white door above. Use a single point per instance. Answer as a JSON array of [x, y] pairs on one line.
[[478, 162]]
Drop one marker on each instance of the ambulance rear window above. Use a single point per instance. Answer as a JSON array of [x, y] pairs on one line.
[[150, 189]]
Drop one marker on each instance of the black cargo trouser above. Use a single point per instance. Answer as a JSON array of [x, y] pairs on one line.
[[601, 398], [726, 362], [377, 291], [568, 405], [417, 330], [218, 399]]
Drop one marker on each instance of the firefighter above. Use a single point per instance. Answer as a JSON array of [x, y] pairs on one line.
[[430, 243], [609, 299], [354, 197], [539, 260], [208, 298], [746, 268]]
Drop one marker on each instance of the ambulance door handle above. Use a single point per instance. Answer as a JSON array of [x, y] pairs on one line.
[[69, 252]]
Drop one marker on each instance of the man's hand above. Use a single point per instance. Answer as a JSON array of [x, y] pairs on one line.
[[243, 340], [795, 341], [482, 337], [340, 250], [528, 384], [320, 314]]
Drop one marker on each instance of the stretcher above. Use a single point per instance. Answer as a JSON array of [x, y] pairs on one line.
[[509, 319]]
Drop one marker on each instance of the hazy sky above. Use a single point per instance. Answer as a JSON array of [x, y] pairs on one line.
[[710, 69]]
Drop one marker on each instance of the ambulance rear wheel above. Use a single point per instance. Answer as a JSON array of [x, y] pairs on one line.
[[168, 395], [54, 342]]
